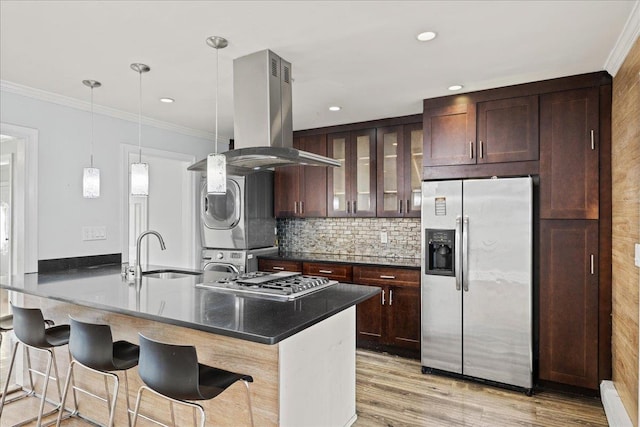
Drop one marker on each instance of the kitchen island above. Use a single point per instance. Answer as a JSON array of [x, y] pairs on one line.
[[301, 353]]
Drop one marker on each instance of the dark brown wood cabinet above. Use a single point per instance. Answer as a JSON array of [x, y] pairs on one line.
[[399, 170], [267, 264], [493, 131], [569, 302], [569, 160], [352, 187], [300, 191], [393, 320], [339, 272]]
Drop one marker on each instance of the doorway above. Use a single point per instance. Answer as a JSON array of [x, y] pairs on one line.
[[169, 209]]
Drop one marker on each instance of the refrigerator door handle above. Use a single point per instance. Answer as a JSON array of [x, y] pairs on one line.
[[458, 261], [465, 254]]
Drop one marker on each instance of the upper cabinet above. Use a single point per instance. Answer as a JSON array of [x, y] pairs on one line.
[[399, 170], [352, 187], [300, 191], [496, 131], [569, 160]]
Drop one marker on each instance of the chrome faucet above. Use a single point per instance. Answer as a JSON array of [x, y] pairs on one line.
[[138, 272]]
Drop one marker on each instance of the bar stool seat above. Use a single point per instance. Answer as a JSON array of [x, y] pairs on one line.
[[30, 329], [173, 372], [92, 347]]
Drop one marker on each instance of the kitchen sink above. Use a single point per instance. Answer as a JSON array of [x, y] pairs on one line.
[[170, 273]]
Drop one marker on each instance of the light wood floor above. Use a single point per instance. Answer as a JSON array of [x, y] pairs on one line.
[[392, 391]]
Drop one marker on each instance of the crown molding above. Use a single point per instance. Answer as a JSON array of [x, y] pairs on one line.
[[625, 41], [18, 89]]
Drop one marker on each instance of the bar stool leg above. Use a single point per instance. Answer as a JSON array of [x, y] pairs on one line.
[[246, 383], [126, 389], [64, 394], [137, 408], [6, 385], [173, 418]]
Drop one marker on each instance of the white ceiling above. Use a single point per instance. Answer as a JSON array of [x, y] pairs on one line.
[[361, 55]]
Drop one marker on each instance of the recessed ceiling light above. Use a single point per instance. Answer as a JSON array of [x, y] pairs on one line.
[[426, 36], [455, 87], [335, 108], [167, 100]]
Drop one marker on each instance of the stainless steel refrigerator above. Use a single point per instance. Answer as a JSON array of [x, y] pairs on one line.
[[477, 278]]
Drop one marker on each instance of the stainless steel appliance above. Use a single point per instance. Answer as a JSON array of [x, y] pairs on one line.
[[263, 126], [284, 285], [243, 217], [477, 279], [234, 260]]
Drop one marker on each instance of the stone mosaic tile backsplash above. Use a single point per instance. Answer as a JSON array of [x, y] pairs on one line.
[[351, 236]]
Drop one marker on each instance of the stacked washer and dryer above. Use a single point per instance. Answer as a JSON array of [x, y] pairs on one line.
[[237, 227]]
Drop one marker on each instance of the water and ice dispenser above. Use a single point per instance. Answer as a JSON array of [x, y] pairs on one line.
[[440, 253]]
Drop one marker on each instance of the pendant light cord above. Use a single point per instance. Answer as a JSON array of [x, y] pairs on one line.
[[91, 126], [140, 120], [217, 79]]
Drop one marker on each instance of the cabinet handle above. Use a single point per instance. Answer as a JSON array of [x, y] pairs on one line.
[[408, 206], [593, 140], [471, 149], [382, 276], [348, 207], [399, 206], [325, 271], [592, 264], [355, 207], [277, 268], [382, 297], [481, 149], [295, 208], [301, 207], [390, 296]]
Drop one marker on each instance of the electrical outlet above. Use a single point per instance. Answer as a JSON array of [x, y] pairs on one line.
[[383, 237], [637, 257], [94, 233]]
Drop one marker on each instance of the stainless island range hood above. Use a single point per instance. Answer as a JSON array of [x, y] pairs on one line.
[[263, 128]]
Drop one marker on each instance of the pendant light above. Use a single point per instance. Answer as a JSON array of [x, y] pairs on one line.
[[217, 163], [91, 175], [140, 171]]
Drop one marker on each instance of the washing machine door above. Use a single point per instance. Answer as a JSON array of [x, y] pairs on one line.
[[220, 266], [221, 211]]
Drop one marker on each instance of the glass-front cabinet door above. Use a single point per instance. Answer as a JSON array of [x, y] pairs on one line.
[[399, 170], [352, 187], [413, 144]]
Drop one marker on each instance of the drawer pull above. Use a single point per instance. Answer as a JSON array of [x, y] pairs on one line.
[[277, 268], [382, 297], [390, 296], [325, 271], [387, 277]]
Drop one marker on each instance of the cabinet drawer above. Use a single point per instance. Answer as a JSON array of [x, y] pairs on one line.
[[279, 265], [340, 272], [386, 276]]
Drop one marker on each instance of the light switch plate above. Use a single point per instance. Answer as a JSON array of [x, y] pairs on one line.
[[383, 237], [94, 233], [637, 257]]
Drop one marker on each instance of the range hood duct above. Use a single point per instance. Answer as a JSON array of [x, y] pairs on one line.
[[263, 126]]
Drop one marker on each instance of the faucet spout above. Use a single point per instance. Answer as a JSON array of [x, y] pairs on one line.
[[138, 245]]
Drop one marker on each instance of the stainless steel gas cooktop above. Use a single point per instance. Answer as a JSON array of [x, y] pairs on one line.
[[282, 285]]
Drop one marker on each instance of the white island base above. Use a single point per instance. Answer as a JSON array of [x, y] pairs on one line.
[[307, 379]]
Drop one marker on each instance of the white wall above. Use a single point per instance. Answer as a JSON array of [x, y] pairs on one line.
[[64, 149]]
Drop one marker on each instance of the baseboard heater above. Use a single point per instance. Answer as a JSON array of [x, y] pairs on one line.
[[614, 409]]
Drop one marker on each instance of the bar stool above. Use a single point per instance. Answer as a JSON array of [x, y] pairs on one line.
[[29, 328], [92, 347], [6, 325], [173, 372]]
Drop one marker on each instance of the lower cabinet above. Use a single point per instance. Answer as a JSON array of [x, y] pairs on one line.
[[569, 302], [392, 321], [389, 322], [279, 265]]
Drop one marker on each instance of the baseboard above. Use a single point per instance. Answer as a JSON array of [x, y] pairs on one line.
[[614, 409]]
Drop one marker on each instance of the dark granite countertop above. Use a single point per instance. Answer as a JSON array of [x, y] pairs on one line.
[[347, 259], [179, 302]]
